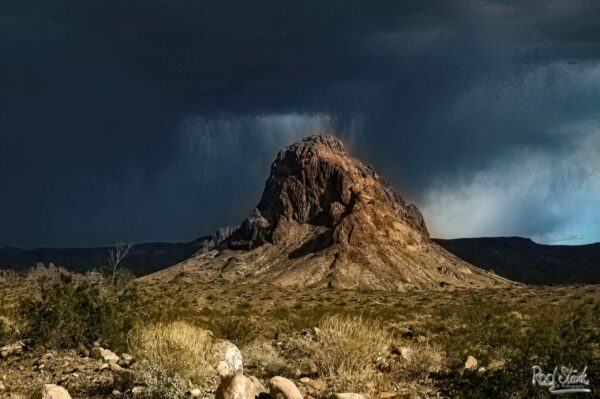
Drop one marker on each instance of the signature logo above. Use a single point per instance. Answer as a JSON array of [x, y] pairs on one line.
[[563, 380]]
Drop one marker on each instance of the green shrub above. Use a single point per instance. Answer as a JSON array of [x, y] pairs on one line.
[[557, 336], [160, 383], [78, 311], [240, 330]]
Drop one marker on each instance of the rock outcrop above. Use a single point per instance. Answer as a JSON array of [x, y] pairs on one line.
[[327, 220]]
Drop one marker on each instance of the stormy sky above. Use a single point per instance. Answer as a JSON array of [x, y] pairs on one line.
[[157, 120]]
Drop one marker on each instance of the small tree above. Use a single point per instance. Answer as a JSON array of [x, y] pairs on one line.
[[115, 256]]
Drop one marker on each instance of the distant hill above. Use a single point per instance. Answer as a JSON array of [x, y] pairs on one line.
[[142, 258], [521, 259]]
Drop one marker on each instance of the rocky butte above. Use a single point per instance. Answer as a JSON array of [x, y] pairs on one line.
[[327, 220]]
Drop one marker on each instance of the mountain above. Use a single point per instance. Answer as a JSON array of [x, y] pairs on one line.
[[521, 259], [327, 220]]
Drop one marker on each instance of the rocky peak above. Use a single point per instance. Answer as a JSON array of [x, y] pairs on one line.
[[315, 181], [327, 220]]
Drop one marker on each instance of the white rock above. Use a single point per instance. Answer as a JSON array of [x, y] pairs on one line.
[[471, 363], [137, 391], [282, 388], [52, 391], [104, 354], [226, 358], [236, 387], [406, 353]]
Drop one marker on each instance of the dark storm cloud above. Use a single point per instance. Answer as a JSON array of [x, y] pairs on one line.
[[158, 119]]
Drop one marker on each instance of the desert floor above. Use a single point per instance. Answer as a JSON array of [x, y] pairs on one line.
[[320, 338]]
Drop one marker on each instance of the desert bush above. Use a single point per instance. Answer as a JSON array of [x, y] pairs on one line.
[[171, 356], [265, 359], [422, 360], [80, 311], [240, 330], [8, 330], [346, 349], [160, 383]]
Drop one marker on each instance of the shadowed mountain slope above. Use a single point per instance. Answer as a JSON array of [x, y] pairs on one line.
[[521, 259]]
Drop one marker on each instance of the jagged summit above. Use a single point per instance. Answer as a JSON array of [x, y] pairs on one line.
[[326, 219], [315, 181]]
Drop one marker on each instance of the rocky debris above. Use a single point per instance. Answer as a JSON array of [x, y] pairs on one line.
[[236, 387], [14, 349], [404, 352], [327, 220], [43, 272], [282, 388], [193, 393], [471, 363], [316, 386], [347, 395], [259, 388], [226, 358], [52, 391], [25, 374], [122, 378], [104, 354], [137, 391], [126, 360], [497, 364]]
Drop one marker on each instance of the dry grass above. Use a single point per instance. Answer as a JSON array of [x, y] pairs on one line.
[[266, 360], [171, 352], [347, 348], [421, 360]]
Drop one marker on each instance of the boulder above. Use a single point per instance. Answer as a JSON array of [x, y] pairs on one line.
[[236, 386], [52, 391], [104, 354], [347, 395], [259, 388], [471, 363], [122, 378], [282, 388], [226, 358]]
